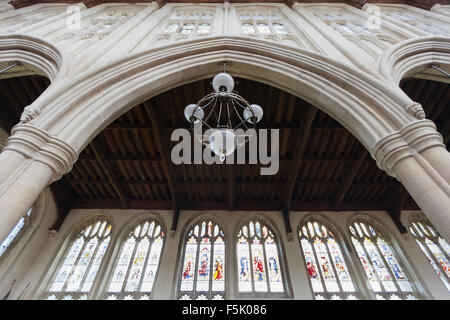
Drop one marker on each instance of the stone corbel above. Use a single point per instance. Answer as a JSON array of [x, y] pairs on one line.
[[29, 113], [416, 110]]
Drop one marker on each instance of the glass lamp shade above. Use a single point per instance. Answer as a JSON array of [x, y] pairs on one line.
[[222, 142], [223, 82], [257, 112], [189, 112]]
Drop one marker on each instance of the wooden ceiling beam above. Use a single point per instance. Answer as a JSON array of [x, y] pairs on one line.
[[157, 158], [299, 151], [349, 177], [162, 141], [230, 186], [97, 149], [248, 183], [284, 125], [239, 205]]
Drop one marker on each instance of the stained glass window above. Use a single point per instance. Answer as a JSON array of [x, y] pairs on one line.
[[203, 269], [434, 247], [259, 268], [386, 276], [15, 232], [325, 263], [137, 266], [76, 274]]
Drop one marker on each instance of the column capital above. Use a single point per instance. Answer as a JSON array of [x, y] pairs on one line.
[[410, 140], [34, 143]]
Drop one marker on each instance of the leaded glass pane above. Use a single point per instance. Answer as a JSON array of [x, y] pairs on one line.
[[325, 263], [4, 245], [259, 267], [434, 247], [380, 263], [138, 262], [82, 260], [203, 273]]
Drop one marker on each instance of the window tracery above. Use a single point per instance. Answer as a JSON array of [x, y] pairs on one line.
[[419, 21], [15, 233], [102, 24], [138, 264], [203, 269], [355, 28], [75, 275], [435, 248], [266, 25], [329, 277], [258, 259], [386, 276], [185, 24]]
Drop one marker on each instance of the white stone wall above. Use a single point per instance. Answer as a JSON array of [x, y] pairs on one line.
[[109, 31]]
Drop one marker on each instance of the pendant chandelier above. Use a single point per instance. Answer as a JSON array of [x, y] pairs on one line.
[[222, 112]]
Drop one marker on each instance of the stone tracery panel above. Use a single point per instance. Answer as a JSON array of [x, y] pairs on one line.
[[101, 24], [185, 23], [355, 26], [18, 20], [268, 23], [423, 21]]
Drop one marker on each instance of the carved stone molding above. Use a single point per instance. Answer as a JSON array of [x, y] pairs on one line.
[[29, 113], [416, 110], [407, 142], [36, 144]]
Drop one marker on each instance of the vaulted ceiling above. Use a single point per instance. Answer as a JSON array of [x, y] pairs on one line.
[[322, 166]]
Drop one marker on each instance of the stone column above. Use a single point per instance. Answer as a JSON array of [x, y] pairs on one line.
[[416, 156], [30, 161]]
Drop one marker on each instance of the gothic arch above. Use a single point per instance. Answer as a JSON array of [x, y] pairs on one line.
[[408, 57], [86, 103], [38, 54]]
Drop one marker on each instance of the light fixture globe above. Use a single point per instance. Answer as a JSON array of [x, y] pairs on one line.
[[222, 142], [223, 82], [255, 116], [193, 114]]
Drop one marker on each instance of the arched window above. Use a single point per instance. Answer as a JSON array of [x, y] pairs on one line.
[[434, 247], [15, 232], [203, 270], [258, 259], [385, 274], [326, 266], [76, 273], [137, 266]]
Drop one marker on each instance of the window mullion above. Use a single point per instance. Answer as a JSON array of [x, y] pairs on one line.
[[388, 267], [266, 264], [375, 270], [250, 263], [434, 257], [197, 255], [89, 267], [75, 264], [130, 264], [144, 269], [211, 267], [338, 280], [319, 266]]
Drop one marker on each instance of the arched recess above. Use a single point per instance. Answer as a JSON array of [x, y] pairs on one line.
[[36, 55], [410, 57], [83, 105]]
